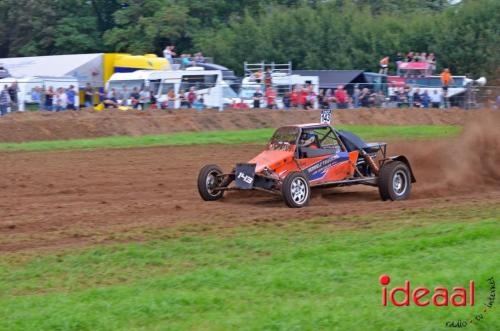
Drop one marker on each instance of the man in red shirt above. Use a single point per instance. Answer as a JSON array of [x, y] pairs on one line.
[[341, 97], [294, 97], [303, 98], [191, 97], [271, 98]]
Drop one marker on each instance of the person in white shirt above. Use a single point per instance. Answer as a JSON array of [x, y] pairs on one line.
[[169, 53], [436, 99], [144, 99], [61, 100]]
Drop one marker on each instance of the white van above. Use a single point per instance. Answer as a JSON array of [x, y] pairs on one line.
[[207, 83], [281, 82], [27, 84]]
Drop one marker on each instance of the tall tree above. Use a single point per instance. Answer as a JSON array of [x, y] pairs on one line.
[[148, 25]]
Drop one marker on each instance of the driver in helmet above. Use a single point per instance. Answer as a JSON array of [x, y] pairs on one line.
[[308, 139]]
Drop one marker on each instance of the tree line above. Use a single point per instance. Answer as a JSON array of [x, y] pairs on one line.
[[313, 34]]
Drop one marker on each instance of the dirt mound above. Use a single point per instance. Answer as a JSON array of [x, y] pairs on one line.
[[468, 163], [21, 127]]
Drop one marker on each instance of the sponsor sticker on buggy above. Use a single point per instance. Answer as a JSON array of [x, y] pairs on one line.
[[244, 175], [319, 169]]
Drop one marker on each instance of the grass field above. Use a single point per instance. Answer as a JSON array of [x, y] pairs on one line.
[[320, 274], [229, 137]]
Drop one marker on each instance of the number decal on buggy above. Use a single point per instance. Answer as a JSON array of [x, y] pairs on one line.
[[246, 179]]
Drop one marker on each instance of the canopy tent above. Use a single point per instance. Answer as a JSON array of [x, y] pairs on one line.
[[86, 68]]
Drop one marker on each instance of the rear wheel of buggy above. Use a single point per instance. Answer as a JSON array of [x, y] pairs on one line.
[[295, 189], [394, 182], [208, 180]]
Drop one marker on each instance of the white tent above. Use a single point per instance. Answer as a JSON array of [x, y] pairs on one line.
[[86, 68]]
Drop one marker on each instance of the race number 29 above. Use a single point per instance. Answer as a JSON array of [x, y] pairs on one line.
[[326, 115]]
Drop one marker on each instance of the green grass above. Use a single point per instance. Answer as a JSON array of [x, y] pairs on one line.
[[228, 137], [320, 274]]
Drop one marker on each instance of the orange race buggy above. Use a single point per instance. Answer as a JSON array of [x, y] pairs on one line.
[[299, 157]]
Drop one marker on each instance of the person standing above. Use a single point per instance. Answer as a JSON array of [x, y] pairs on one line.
[[183, 100], [426, 99], [258, 76], [294, 97], [4, 100], [49, 99], [271, 98], [446, 80], [287, 100], [268, 77], [355, 96], [417, 99], [435, 99], [191, 97], [89, 95], [310, 99], [364, 98], [384, 64], [398, 59], [186, 61], [257, 97], [169, 53], [199, 104], [144, 99], [13, 91], [199, 58], [36, 97], [135, 98], [61, 100], [71, 95], [171, 99], [431, 59], [125, 96], [341, 97], [303, 96], [110, 100]]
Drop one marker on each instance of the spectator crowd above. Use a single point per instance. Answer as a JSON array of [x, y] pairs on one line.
[[43, 99], [304, 97], [300, 96], [144, 98], [184, 60], [399, 58]]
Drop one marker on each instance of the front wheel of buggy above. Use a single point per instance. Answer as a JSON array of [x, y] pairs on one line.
[[295, 189], [394, 182], [208, 180]]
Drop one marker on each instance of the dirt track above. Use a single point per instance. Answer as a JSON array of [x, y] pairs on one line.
[[75, 198], [72, 198]]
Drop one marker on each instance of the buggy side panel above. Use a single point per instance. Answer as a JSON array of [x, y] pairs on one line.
[[329, 168]]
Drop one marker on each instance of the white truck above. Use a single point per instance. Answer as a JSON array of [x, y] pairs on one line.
[[206, 83]]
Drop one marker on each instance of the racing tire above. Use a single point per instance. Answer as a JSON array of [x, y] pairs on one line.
[[207, 178], [394, 182], [295, 190]]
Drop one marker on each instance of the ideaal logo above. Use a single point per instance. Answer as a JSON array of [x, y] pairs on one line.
[[439, 296]]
